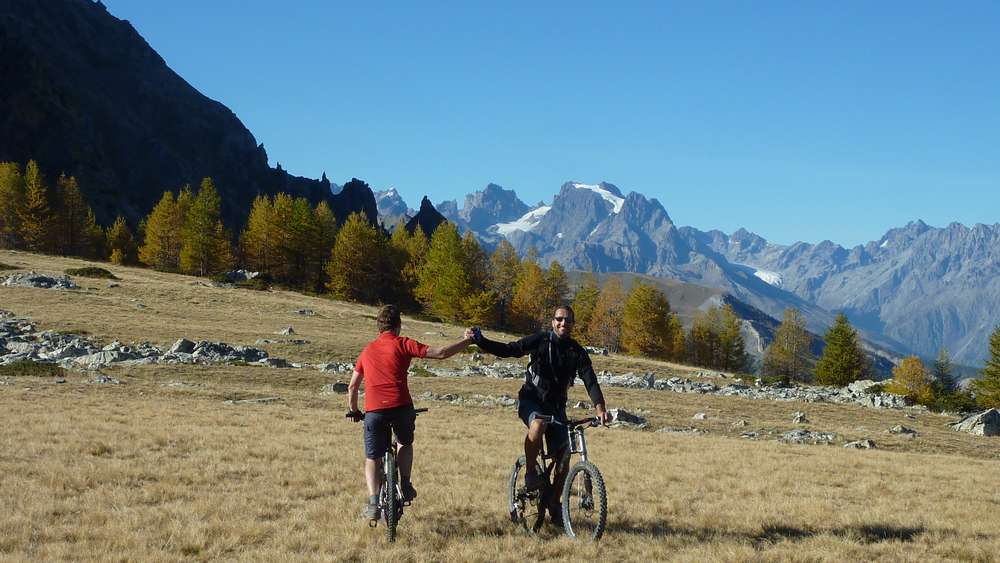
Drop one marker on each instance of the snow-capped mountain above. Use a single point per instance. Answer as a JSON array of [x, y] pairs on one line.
[[391, 207]]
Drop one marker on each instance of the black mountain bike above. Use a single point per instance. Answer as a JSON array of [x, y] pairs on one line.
[[584, 497], [390, 496]]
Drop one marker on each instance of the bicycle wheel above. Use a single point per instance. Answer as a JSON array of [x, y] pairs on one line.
[[584, 502], [387, 496], [526, 509]]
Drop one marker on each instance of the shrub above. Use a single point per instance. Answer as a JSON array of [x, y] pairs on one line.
[[956, 401], [7, 267], [254, 283], [26, 368], [875, 389], [92, 272], [417, 371]]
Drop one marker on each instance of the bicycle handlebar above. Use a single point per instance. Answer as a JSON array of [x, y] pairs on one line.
[[357, 416], [592, 421]]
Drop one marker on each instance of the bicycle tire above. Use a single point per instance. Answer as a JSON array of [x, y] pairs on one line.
[[526, 511], [584, 502], [390, 505]]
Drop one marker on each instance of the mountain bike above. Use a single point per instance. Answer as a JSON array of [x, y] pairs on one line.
[[584, 497], [390, 496]]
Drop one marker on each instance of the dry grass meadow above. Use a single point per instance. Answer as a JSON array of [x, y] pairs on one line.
[[161, 469]]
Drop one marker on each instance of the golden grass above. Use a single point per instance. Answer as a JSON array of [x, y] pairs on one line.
[[155, 471]]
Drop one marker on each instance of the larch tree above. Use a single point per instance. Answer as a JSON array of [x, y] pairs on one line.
[[35, 215], [678, 349], [11, 201], [75, 229], [987, 388], [843, 360], [257, 241], [443, 282], [703, 340], [301, 252], [205, 246], [356, 269], [526, 305], [584, 302], [326, 221], [121, 243], [554, 293], [646, 322], [789, 354], [606, 323], [732, 352], [505, 268], [912, 380], [161, 246]]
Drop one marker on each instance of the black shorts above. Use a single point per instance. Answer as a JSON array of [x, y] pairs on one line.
[[377, 424], [529, 406]]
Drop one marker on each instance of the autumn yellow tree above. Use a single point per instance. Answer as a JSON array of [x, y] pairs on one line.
[[505, 268], [205, 245], [359, 262], [646, 322], [584, 302], [121, 243], [606, 324], [75, 230], [161, 247], [443, 281], [11, 201], [258, 239], [527, 305], [789, 354], [35, 215], [912, 380]]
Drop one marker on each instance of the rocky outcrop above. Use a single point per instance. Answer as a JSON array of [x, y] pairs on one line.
[[31, 279], [986, 423]]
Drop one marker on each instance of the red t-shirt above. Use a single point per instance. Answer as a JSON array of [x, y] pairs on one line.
[[383, 365]]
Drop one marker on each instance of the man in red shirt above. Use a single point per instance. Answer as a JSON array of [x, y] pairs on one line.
[[383, 366]]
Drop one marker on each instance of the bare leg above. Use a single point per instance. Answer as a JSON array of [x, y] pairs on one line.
[[533, 444], [404, 460], [373, 475]]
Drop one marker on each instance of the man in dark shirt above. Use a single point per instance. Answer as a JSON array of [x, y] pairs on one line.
[[556, 360]]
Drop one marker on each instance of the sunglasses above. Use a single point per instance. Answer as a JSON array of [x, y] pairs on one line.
[[563, 319]]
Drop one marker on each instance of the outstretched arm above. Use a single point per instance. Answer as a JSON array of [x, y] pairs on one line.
[[449, 350], [514, 349]]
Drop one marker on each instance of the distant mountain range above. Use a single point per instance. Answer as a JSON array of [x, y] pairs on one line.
[[917, 289]]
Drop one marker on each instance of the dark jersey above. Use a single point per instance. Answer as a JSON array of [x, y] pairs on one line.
[[555, 363]]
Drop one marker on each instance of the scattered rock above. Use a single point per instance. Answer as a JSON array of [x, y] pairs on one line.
[[262, 400], [861, 444], [800, 418], [699, 416], [305, 312], [740, 424], [596, 350], [238, 276], [750, 435], [682, 430], [114, 284], [101, 378], [621, 415], [140, 306], [182, 346], [582, 405], [274, 362], [287, 331], [336, 367], [903, 431], [807, 437], [330, 388], [32, 279], [986, 423]]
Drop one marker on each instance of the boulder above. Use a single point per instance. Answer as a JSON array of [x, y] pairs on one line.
[[699, 416], [807, 437], [986, 423], [287, 331], [182, 346], [903, 431], [860, 386], [339, 388], [621, 415], [861, 444], [800, 418]]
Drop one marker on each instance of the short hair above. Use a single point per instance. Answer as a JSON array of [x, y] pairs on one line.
[[569, 309], [388, 318]]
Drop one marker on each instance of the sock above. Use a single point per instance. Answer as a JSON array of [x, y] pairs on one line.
[[372, 499]]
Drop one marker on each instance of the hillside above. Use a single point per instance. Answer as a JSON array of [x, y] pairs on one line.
[[161, 467]]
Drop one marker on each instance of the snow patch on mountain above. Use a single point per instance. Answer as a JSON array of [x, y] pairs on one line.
[[772, 278], [525, 223], [615, 201]]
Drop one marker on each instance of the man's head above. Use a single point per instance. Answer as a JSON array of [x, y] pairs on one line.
[[388, 319], [562, 321]]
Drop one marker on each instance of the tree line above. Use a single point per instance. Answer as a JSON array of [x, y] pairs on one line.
[[445, 275]]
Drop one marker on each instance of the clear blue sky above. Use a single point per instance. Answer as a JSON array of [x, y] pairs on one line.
[[798, 120]]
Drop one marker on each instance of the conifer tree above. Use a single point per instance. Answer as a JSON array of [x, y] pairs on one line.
[[443, 282], [584, 302], [11, 202], [987, 388], [410, 251], [912, 380], [477, 263], [732, 353], [480, 308], [554, 292], [606, 323], [282, 209], [161, 246], [75, 229], [789, 354], [205, 247], [703, 340], [505, 268], [646, 322], [121, 243], [843, 360], [302, 250], [257, 241], [944, 380], [35, 216], [526, 305], [326, 221], [678, 349], [358, 262]]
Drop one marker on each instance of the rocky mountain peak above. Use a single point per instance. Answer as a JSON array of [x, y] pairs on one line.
[[427, 217]]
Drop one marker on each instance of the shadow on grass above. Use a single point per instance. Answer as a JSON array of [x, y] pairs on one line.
[[771, 534]]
